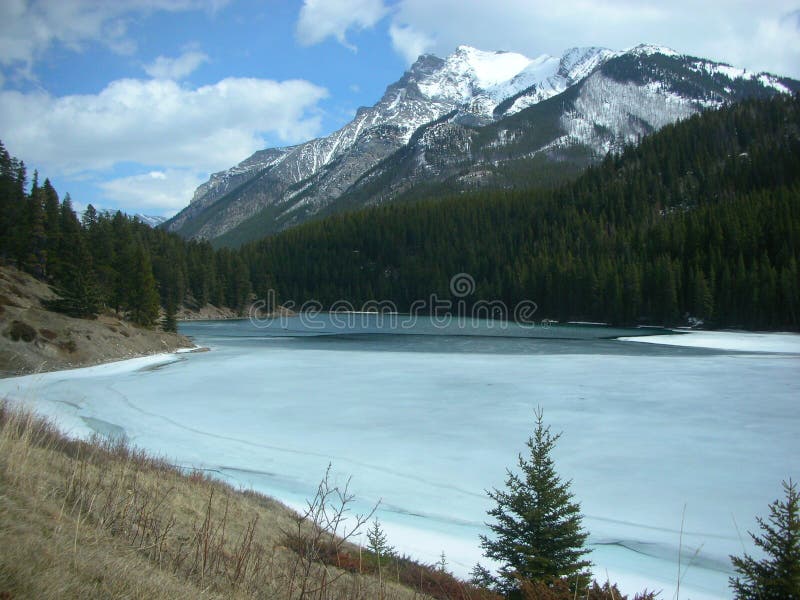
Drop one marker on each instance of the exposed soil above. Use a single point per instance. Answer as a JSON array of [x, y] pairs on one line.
[[207, 313], [33, 339]]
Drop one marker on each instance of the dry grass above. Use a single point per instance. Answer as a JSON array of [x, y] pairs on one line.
[[99, 520]]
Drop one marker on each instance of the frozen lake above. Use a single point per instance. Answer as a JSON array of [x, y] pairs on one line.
[[425, 423]]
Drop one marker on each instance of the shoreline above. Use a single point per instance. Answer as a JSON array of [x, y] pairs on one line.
[[671, 329], [45, 367], [124, 363], [206, 319], [34, 339]]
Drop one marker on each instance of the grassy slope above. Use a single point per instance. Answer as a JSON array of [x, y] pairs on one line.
[[95, 520], [34, 339]]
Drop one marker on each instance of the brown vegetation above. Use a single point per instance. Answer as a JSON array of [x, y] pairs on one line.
[[100, 519], [559, 589], [34, 339]]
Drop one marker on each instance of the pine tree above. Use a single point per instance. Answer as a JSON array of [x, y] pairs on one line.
[[8, 208], [169, 322], [89, 218], [79, 295], [377, 542], [482, 577], [776, 577], [73, 272], [35, 261], [538, 534], [143, 301], [19, 232], [123, 266], [52, 227], [441, 564]]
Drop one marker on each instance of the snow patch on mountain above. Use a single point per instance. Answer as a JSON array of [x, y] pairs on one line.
[[491, 68], [578, 63], [221, 183], [475, 79], [765, 79], [478, 81], [151, 220], [650, 49], [548, 77], [609, 114]]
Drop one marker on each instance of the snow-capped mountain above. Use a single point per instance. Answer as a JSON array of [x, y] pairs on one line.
[[151, 220], [465, 115]]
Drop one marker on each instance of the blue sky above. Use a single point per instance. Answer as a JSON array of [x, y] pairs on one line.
[[131, 104]]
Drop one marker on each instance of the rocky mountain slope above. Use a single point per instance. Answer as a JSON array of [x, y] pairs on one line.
[[474, 118]]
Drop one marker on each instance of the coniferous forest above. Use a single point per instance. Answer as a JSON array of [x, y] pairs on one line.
[[701, 219], [109, 259]]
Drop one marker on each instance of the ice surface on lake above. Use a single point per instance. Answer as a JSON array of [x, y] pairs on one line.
[[728, 340], [425, 424]]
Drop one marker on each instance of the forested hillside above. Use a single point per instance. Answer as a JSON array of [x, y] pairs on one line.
[[701, 219], [108, 260]]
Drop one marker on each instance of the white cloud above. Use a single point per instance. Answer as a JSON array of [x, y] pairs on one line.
[[29, 27], [156, 192], [158, 123], [773, 46], [758, 35], [408, 42], [176, 68], [321, 19]]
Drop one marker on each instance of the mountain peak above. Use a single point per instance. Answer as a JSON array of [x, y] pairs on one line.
[[446, 116], [650, 49], [578, 62], [426, 62], [488, 68]]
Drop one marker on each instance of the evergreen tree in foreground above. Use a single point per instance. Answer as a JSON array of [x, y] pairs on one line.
[[537, 530], [377, 542], [778, 575]]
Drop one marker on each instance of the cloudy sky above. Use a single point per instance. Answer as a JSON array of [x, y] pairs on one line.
[[131, 104]]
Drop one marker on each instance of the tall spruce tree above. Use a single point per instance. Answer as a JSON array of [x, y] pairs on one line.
[[142, 301], [537, 528], [19, 219], [36, 242], [169, 322], [777, 576], [73, 272], [79, 296], [52, 228], [8, 209], [89, 218]]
